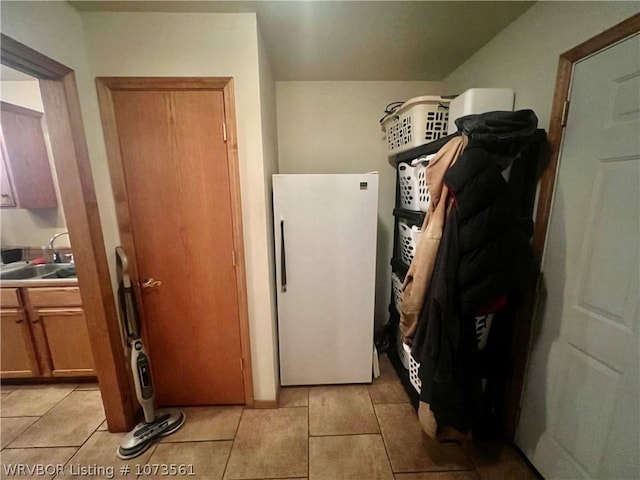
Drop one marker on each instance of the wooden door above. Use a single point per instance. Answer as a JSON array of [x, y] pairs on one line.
[[67, 339], [18, 355], [175, 167], [581, 406]]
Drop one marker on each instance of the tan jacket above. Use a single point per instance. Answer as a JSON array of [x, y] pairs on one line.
[[416, 283]]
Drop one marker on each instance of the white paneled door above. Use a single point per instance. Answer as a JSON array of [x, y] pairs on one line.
[[580, 413]]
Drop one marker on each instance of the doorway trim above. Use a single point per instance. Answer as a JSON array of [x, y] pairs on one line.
[[559, 112], [106, 85], [71, 158], [556, 124]]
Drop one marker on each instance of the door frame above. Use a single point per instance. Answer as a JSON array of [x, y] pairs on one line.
[[71, 158], [105, 86], [557, 122]]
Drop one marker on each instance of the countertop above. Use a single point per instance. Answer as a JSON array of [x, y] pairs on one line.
[[34, 282], [40, 282]]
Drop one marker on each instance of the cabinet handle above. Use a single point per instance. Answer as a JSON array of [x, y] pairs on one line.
[[36, 320], [19, 320]]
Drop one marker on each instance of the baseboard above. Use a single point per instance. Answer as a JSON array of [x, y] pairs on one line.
[[268, 403], [265, 404]]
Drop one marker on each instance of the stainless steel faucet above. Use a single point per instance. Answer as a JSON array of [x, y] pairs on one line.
[[56, 253]]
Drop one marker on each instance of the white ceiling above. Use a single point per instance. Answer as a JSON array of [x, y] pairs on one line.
[[356, 40]]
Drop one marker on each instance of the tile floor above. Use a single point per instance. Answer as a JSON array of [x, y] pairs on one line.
[[337, 432]]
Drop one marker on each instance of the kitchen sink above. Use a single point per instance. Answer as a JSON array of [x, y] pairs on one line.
[[38, 272]]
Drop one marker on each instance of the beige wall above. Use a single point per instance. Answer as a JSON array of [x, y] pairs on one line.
[[270, 156], [321, 126], [332, 127], [25, 93], [524, 56], [18, 226], [55, 29], [168, 45], [160, 44]]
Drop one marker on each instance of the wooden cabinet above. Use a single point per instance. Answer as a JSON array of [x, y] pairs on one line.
[[7, 198], [59, 327], [67, 341], [27, 181], [44, 333], [17, 356]]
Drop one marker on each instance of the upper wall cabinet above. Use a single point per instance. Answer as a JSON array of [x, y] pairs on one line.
[[7, 198], [26, 172]]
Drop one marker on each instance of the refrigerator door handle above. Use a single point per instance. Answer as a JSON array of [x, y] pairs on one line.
[[283, 259]]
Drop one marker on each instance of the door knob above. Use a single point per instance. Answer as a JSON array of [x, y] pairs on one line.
[[151, 283]]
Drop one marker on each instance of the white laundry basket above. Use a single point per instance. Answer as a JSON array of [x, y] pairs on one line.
[[417, 121], [414, 194], [483, 327], [424, 197], [414, 368], [409, 188], [409, 363], [396, 288], [408, 237], [403, 352]]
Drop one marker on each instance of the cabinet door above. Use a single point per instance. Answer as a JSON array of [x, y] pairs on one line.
[[67, 339], [27, 157], [7, 199], [17, 358]]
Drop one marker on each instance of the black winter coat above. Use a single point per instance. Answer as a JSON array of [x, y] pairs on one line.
[[493, 248], [484, 262]]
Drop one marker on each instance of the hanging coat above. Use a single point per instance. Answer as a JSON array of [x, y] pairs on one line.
[[483, 263], [418, 277]]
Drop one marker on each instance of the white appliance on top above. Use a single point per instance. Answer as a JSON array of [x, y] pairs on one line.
[[479, 100], [325, 237]]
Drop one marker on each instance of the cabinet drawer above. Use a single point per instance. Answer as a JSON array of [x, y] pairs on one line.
[[54, 296], [9, 298]]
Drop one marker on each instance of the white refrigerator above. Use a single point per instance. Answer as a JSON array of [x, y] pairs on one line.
[[325, 229]]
